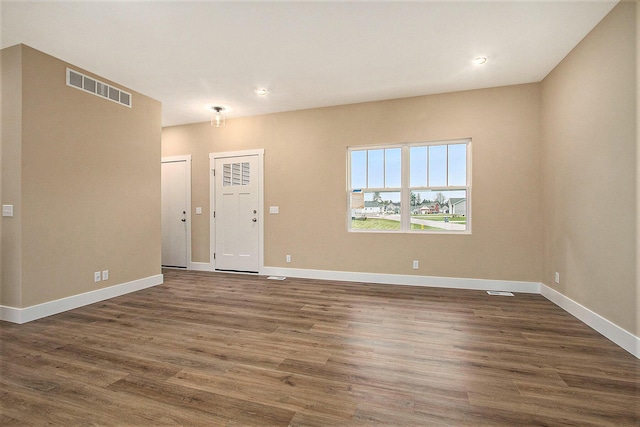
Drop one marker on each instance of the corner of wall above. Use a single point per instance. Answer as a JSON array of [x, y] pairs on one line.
[[589, 148], [603, 326]]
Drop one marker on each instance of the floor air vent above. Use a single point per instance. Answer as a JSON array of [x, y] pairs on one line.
[[96, 87], [500, 293]]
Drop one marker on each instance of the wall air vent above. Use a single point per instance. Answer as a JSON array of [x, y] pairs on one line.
[[103, 90]]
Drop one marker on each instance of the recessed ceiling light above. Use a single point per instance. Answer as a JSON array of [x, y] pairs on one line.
[[262, 91], [479, 60]]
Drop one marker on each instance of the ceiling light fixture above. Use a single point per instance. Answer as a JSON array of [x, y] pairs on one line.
[[217, 118], [262, 91], [479, 60]]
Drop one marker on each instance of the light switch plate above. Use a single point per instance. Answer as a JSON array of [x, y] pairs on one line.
[[7, 210], [198, 211], [274, 209]]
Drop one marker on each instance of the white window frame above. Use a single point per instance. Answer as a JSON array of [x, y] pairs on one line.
[[405, 190]]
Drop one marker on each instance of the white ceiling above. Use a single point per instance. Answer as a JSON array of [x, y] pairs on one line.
[[307, 54]]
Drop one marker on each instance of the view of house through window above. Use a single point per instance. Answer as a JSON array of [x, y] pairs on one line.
[[410, 187]]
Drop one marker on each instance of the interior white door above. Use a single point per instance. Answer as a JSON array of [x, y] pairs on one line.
[[175, 188], [237, 236]]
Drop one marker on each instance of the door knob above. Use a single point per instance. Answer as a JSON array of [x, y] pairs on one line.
[[184, 220], [254, 220]]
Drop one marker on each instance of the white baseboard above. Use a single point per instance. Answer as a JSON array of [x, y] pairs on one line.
[[406, 279], [201, 266], [613, 332], [34, 312]]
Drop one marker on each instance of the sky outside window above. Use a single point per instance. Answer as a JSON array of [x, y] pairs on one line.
[[430, 166], [375, 168], [358, 169], [418, 166], [393, 161], [437, 166], [457, 164]]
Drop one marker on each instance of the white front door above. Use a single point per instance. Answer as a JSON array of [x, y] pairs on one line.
[[175, 185], [237, 213]]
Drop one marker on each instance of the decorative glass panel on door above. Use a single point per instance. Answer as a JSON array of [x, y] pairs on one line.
[[236, 174]]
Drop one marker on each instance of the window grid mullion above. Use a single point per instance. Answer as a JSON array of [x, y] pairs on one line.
[[366, 177], [384, 168], [427, 166], [405, 194], [446, 167]]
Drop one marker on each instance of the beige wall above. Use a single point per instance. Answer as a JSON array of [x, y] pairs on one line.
[[637, 170], [90, 186], [10, 163], [305, 175], [589, 171]]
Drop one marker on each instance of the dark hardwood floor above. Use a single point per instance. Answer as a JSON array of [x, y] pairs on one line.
[[208, 349]]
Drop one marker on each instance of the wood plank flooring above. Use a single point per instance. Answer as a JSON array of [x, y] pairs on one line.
[[207, 349]]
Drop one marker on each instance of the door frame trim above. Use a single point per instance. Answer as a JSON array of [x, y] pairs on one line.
[[212, 201], [186, 158]]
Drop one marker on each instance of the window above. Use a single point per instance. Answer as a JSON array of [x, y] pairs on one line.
[[410, 187]]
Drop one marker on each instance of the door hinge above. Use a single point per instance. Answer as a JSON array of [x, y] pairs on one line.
[[214, 255], [214, 172], [214, 214]]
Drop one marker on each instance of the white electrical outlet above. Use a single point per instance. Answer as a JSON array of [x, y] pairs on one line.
[[288, 258], [96, 276], [416, 264], [557, 277], [105, 274]]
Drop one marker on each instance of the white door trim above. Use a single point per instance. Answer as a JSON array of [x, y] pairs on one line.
[[185, 158], [212, 189]]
